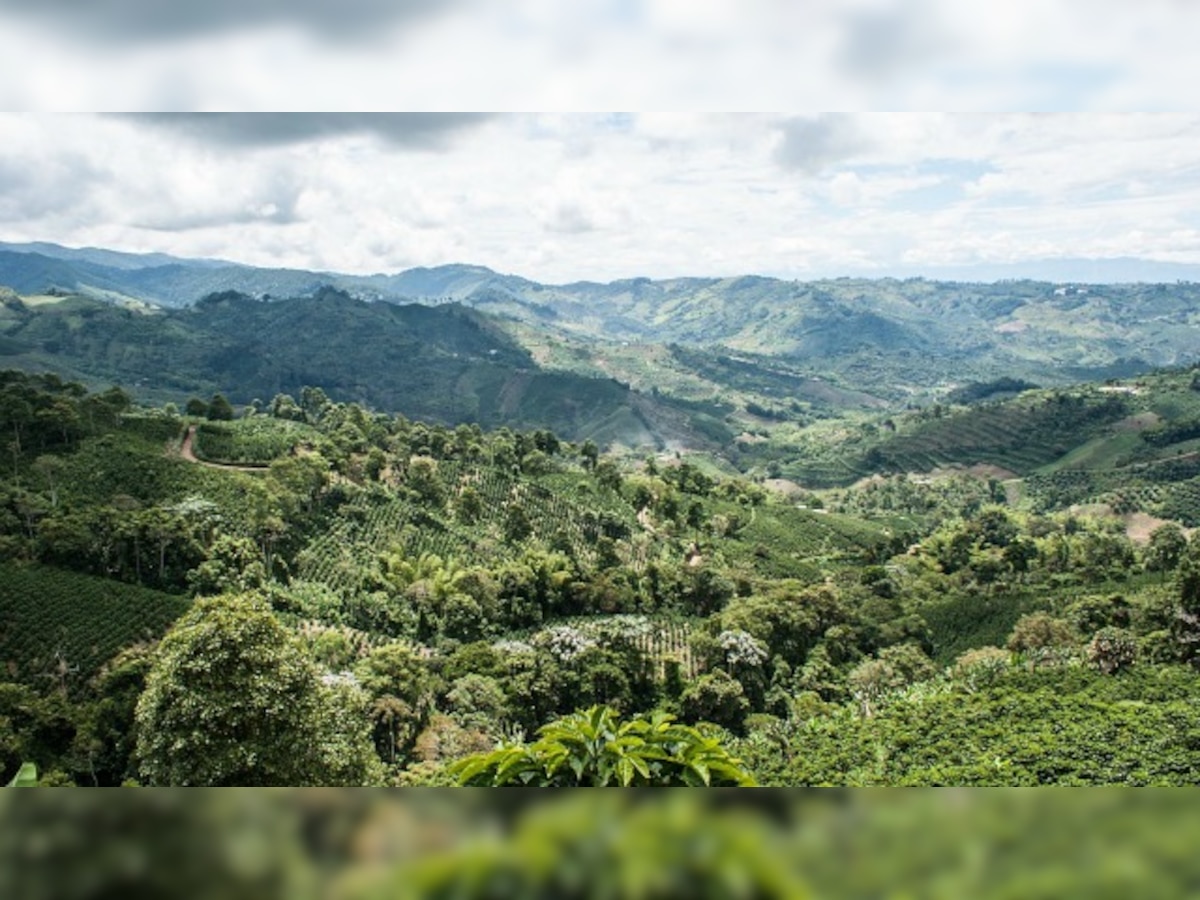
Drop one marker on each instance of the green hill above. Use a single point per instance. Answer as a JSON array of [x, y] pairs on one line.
[[890, 338], [449, 363]]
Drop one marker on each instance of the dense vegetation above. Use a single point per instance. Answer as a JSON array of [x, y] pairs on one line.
[[411, 596], [447, 364]]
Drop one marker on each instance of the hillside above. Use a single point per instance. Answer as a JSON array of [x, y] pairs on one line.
[[448, 363], [896, 339], [436, 589]]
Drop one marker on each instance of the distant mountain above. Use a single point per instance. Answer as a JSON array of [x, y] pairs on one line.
[[887, 337], [112, 259], [1119, 270]]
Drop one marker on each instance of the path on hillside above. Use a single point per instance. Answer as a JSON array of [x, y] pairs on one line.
[[189, 454]]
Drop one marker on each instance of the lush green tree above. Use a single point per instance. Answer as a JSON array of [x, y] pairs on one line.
[[1042, 636], [517, 526], [423, 479], [478, 702], [1166, 548], [716, 697], [1186, 626], [220, 409], [594, 748], [607, 474], [1112, 650], [402, 691], [469, 506], [232, 700]]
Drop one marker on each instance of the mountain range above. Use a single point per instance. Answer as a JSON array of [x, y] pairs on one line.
[[739, 344]]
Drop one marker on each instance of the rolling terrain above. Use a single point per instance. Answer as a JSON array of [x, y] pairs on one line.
[[896, 339], [449, 363]]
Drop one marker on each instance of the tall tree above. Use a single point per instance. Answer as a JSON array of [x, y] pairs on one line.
[[232, 700]]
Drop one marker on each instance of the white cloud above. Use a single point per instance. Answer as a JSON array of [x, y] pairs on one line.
[[683, 54], [563, 197]]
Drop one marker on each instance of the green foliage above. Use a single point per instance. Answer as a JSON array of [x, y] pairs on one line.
[[1166, 547], [1039, 634], [593, 748], [26, 776], [62, 626], [1046, 726], [201, 845], [716, 697], [1112, 650], [252, 441], [448, 364], [479, 586], [219, 408], [232, 700]]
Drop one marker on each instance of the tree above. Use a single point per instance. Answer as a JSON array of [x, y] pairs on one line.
[[1186, 625], [1166, 548], [1112, 650], [607, 474], [589, 453], [402, 691], [423, 479], [517, 526], [716, 697], [232, 700], [1041, 636], [51, 468], [220, 409], [594, 748], [469, 506]]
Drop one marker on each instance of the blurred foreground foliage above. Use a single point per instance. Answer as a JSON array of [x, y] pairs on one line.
[[348, 845]]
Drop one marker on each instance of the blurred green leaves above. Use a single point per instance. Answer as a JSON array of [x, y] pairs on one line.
[[362, 845]]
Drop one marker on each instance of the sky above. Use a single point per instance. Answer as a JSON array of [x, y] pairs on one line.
[[1103, 169], [598, 54], [563, 197]]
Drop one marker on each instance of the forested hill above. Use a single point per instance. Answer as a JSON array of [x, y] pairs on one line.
[[447, 364], [910, 333]]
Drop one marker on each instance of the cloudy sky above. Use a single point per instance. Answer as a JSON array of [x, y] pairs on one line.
[[598, 54], [563, 197]]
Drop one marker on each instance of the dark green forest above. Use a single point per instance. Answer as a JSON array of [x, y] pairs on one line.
[[301, 587]]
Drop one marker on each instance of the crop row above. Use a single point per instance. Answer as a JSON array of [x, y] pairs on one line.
[[60, 627], [563, 511]]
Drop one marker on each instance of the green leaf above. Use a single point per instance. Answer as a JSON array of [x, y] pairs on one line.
[[25, 777], [625, 770]]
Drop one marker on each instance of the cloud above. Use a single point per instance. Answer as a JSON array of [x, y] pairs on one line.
[[812, 144], [653, 195], [56, 185], [138, 21], [569, 217], [882, 43], [416, 129]]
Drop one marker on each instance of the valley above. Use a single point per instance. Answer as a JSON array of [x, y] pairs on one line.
[[845, 532]]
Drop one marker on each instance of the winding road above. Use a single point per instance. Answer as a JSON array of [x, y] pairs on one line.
[[189, 454]]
